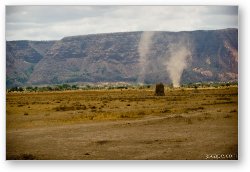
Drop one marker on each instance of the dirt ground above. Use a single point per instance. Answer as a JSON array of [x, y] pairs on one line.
[[123, 125]]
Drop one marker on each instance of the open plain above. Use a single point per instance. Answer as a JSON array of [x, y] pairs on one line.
[[125, 124]]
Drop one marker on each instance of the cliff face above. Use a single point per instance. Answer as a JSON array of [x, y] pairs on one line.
[[21, 58], [114, 57]]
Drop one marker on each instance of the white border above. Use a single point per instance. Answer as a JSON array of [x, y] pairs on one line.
[[121, 2], [244, 127]]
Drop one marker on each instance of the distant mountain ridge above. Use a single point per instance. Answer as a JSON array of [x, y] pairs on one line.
[[114, 57]]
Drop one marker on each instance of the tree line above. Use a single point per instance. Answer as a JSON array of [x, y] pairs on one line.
[[45, 88]]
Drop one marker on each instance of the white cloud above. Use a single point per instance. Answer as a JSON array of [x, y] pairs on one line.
[[56, 22]]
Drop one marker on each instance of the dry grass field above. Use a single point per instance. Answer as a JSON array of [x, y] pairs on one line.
[[123, 124]]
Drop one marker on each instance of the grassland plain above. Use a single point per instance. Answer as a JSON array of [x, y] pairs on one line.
[[123, 124]]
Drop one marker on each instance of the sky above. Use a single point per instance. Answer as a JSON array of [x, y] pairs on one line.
[[56, 22]]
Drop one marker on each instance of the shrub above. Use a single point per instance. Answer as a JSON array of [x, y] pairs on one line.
[[232, 111], [74, 87], [165, 111], [16, 89], [64, 108], [141, 113]]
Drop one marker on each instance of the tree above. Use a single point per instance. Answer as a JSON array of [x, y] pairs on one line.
[[74, 87]]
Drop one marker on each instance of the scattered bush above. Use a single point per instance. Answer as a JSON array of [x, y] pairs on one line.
[[165, 110], [141, 113], [228, 116], [64, 108], [194, 109], [232, 111], [124, 116], [75, 106], [92, 107]]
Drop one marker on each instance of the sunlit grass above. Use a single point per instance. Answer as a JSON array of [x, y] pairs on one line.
[[31, 110]]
